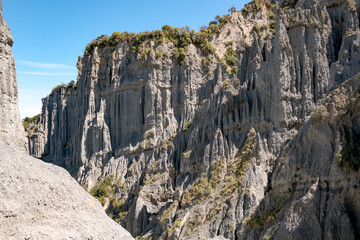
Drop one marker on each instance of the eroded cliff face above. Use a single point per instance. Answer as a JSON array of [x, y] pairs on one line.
[[194, 150], [315, 183], [39, 200], [11, 129]]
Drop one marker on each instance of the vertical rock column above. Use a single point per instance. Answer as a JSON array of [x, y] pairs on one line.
[[11, 130]]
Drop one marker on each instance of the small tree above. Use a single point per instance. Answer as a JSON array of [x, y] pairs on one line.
[[232, 9]]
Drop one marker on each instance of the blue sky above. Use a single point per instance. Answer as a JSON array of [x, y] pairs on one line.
[[49, 35]]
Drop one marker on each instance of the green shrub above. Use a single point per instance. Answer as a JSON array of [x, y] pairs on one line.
[[231, 61], [160, 54], [256, 29], [237, 169], [187, 125], [234, 70], [206, 61], [70, 85], [57, 89], [198, 191], [173, 226], [104, 189], [230, 57], [251, 7], [179, 54], [144, 53], [272, 26], [228, 43], [225, 84], [180, 37], [115, 38], [289, 4], [204, 185], [169, 211], [232, 10], [349, 156], [152, 178], [26, 121], [256, 5], [187, 154], [118, 206], [265, 218], [100, 41]]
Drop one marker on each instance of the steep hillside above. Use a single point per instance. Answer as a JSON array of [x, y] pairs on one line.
[[39, 200], [315, 183], [183, 135]]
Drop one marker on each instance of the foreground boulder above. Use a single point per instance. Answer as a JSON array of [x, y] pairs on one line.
[[41, 201]]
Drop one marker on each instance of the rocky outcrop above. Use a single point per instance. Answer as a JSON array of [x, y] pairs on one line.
[[188, 147], [39, 200], [314, 187], [11, 129]]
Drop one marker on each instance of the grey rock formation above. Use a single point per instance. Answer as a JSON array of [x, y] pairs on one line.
[[196, 151], [315, 193], [39, 200], [11, 129]]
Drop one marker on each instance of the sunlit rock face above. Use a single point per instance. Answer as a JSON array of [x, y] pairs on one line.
[[39, 200], [11, 129], [191, 149], [42, 201]]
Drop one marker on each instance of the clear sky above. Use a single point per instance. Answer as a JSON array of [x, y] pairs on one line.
[[49, 35]]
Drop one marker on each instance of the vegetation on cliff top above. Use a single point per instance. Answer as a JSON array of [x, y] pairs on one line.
[[27, 121], [256, 5], [183, 37], [180, 37], [70, 85]]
